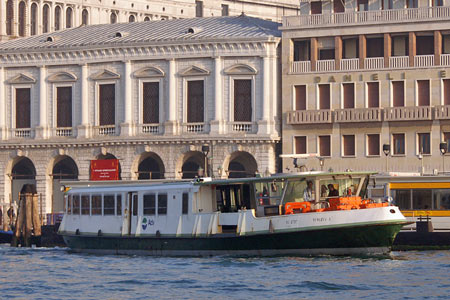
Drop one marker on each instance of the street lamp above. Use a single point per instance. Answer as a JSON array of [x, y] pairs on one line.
[[420, 156], [321, 163], [386, 151], [443, 149], [205, 150]]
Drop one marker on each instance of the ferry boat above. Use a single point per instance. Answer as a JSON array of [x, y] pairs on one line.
[[246, 216]]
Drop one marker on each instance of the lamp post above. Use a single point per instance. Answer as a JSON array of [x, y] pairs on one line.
[[420, 156], [443, 149], [205, 150], [321, 163], [386, 151]]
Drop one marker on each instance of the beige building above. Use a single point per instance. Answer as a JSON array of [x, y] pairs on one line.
[[169, 99], [19, 18], [362, 79]]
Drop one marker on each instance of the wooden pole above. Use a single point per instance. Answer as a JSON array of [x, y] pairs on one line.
[[28, 219], [36, 218], [40, 209], [19, 222]]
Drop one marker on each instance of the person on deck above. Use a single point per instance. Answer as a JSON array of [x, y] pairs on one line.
[[308, 193], [332, 191]]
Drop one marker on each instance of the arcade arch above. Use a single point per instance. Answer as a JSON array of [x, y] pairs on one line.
[[242, 164], [193, 164], [150, 166]]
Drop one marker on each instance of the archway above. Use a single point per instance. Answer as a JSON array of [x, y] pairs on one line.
[[34, 19], [85, 17], [69, 17], [9, 17], [22, 18], [113, 18], [45, 18], [242, 164], [193, 165], [151, 167], [64, 168], [23, 172], [110, 156], [57, 17]]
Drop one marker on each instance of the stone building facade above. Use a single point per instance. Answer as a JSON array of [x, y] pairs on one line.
[[19, 18], [169, 99], [366, 85]]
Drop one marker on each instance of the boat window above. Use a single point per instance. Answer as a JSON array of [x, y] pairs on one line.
[[85, 209], [108, 205], [422, 199], [340, 187], [294, 191], [162, 204], [119, 205], [269, 193], [69, 204], [441, 198], [185, 204], [149, 204], [76, 204], [96, 204], [231, 198], [402, 198], [135, 205]]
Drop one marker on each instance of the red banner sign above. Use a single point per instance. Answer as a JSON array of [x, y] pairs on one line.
[[105, 169]]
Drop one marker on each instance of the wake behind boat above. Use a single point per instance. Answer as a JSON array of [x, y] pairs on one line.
[[309, 213]]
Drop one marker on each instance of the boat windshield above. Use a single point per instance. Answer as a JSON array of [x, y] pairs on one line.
[[294, 191], [339, 187], [269, 193]]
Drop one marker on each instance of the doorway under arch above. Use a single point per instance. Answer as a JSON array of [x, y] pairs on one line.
[[151, 167], [242, 164], [193, 165], [64, 168], [23, 172]]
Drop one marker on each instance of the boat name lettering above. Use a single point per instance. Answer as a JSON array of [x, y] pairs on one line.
[[146, 223], [321, 219], [291, 222]]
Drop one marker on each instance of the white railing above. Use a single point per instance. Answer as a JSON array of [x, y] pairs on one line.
[[63, 131], [445, 60], [412, 113], [325, 65], [369, 17], [424, 60], [150, 128], [442, 112], [106, 130], [398, 62], [301, 67], [22, 132], [374, 63], [349, 64], [348, 115], [194, 127], [309, 116], [242, 126]]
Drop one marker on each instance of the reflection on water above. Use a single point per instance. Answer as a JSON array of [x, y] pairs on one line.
[[55, 273]]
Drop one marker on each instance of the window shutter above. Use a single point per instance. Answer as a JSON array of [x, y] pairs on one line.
[[195, 102], [423, 87], [324, 96], [373, 93], [349, 95], [107, 104], [300, 97], [398, 93], [242, 100], [64, 107], [23, 109], [150, 102]]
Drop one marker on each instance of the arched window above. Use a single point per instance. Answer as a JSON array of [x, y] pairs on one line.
[[34, 10], [9, 17], [69, 17], [45, 18], [84, 17], [146, 19], [113, 18], [22, 20], [57, 18], [131, 19]]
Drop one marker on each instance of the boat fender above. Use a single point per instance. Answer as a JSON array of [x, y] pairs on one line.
[[99, 233], [158, 234], [77, 232]]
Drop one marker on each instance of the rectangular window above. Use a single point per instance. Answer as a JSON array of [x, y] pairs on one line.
[[199, 9], [300, 97], [423, 92], [424, 44], [324, 96], [423, 143], [402, 198], [349, 95], [375, 47], [64, 106], [348, 145], [398, 140], [150, 102], [242, 100], [446, 136], [373, 94], [162, 204], [96, 204], [108, 205], [412, 3], [338, 6], [387, 4], [69, 205], [422, 199], [85, 208], [400, 45], [195, 101], [316, 7], [107, 104], [302, 50], [446, 84], [185, 204], [119, 205], [398, 93], [363, 5], [76, 204], [149, 205], [23, 108], [300, 144], [438, 3], [135, 205], [373, 144], [350, 48], [225, 10], [324, 145]]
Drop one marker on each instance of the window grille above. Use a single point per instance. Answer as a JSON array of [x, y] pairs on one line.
[[22, 18], [9, 17], [64, 107], [195, 101], [57, 18], [150, 103], [242, 100], [23, 116], [107, 104]]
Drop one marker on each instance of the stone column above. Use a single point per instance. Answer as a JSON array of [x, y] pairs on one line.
[[264, 123], [15, 23], [218, 123], [3, 17], [437, 47], [314, 53], [412, 48], [337, 52], [126, 126], [171, 124], [84, 129], [42, 129], [387, 49], [2, 105], [362, 50]]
